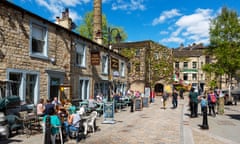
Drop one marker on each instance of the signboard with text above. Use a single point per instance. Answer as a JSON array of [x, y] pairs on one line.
[[108, 112], [95, 58], [114, 63]]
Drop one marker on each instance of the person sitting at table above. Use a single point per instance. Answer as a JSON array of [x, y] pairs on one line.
[[67, 104], [49, 107], [99, 97], [56, 101], [73, 120], [40, 108]]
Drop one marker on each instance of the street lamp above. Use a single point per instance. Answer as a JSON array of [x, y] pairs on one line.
[[118, 39]]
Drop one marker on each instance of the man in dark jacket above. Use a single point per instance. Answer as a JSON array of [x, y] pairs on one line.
[[193, 97]]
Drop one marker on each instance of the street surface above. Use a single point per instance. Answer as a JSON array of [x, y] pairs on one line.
[[155, 125]]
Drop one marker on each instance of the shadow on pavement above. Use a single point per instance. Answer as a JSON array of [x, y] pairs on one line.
[[10, 141], [234, 116]]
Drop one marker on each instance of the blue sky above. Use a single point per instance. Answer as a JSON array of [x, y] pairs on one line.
[[168, 22]]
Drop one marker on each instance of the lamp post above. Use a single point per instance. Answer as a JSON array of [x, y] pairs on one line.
[[118, 39]]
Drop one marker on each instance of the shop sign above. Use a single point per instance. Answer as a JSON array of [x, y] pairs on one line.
[[95, 58]]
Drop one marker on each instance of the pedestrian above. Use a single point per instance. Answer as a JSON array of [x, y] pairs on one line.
[[49, 107], [175, 98], [164, 99], [181, 93], [212, 99], [193, 101], [204, 104]]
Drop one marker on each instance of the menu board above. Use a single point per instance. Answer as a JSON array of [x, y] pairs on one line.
[[138, 104]]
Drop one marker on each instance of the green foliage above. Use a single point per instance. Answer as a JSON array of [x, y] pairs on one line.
[[224, 42], [86, 28]]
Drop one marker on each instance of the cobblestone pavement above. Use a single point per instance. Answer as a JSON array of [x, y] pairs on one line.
[[154, 125]]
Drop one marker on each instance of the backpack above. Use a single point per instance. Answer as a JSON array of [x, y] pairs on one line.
[[213, 98]]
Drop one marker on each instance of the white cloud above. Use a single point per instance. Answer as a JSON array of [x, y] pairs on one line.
[[164, 32], [132, 5], [56, 7], [172, 39], [191, 28], [166, 15]]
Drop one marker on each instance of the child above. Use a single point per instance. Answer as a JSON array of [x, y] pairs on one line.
[[204, 103]]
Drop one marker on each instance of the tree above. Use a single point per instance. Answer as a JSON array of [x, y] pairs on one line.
[[224, 42], [86, 28]]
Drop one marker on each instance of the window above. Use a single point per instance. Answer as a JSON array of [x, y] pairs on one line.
[[194, 76], [38, 40], [25, 85], [30, 88], [194, 65], [84, 89], [185, 64], [137, 52], [122, 69], [104, 64], [80, 55], [137, 67], [177, 65], [156, 56], [185, 76]]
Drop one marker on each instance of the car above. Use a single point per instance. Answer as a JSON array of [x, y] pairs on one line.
[[4, 129]]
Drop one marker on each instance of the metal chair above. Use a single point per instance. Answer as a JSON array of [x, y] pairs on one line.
[[14, 123]]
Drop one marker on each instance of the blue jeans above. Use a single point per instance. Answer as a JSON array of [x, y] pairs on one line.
[[69, 128]]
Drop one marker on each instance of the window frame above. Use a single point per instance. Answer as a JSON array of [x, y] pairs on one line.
[[44, 53], [81, 53]]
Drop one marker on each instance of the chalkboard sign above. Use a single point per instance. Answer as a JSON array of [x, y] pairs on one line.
[[145, 101], [108, 112], [138, 104]]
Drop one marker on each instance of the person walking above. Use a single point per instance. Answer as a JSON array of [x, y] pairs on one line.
[[175, 98], [193, 98], [204, 104], [212, 99], [181, 93], [164, 99]]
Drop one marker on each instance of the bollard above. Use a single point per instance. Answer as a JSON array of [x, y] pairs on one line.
[[205, 119], [132, 104], [47, 139]]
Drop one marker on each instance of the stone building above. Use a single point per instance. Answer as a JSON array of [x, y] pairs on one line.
[[45, 59], [150, 65], [188, 71]]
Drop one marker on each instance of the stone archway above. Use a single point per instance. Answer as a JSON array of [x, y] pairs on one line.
[[158, 89]]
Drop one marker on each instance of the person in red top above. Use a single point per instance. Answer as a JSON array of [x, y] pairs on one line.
[[152, 96]]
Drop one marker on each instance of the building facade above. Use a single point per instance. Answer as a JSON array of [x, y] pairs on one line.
[[150, 65], [45, 59]]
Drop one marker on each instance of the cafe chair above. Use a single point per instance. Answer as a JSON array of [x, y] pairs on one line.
[[78, 132], [91, 122], [14, 123]]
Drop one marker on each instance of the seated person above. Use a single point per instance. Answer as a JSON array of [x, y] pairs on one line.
[[56, 101], [40, 108], [92, 104], [67, 104], [49, 107], [73, 120]]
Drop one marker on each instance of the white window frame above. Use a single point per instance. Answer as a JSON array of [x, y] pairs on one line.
[[105, 64], [122, 69], [84, 88], [81, 53], [36, 28], [23, 84]]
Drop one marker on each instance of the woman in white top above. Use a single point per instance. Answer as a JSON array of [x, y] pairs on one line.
[[40, 108]]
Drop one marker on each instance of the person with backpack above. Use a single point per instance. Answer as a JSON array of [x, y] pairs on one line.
[[193, 97], [212, 99]]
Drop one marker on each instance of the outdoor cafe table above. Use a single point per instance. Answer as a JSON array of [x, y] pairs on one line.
[[29, 121]]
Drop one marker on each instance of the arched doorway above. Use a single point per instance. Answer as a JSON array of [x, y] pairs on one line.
[[158, 89]]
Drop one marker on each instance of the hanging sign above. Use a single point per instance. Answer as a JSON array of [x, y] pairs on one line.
[[114, 63], [95, 58]]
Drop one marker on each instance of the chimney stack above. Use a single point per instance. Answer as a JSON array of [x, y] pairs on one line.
[[65, 21], [97, 22]]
